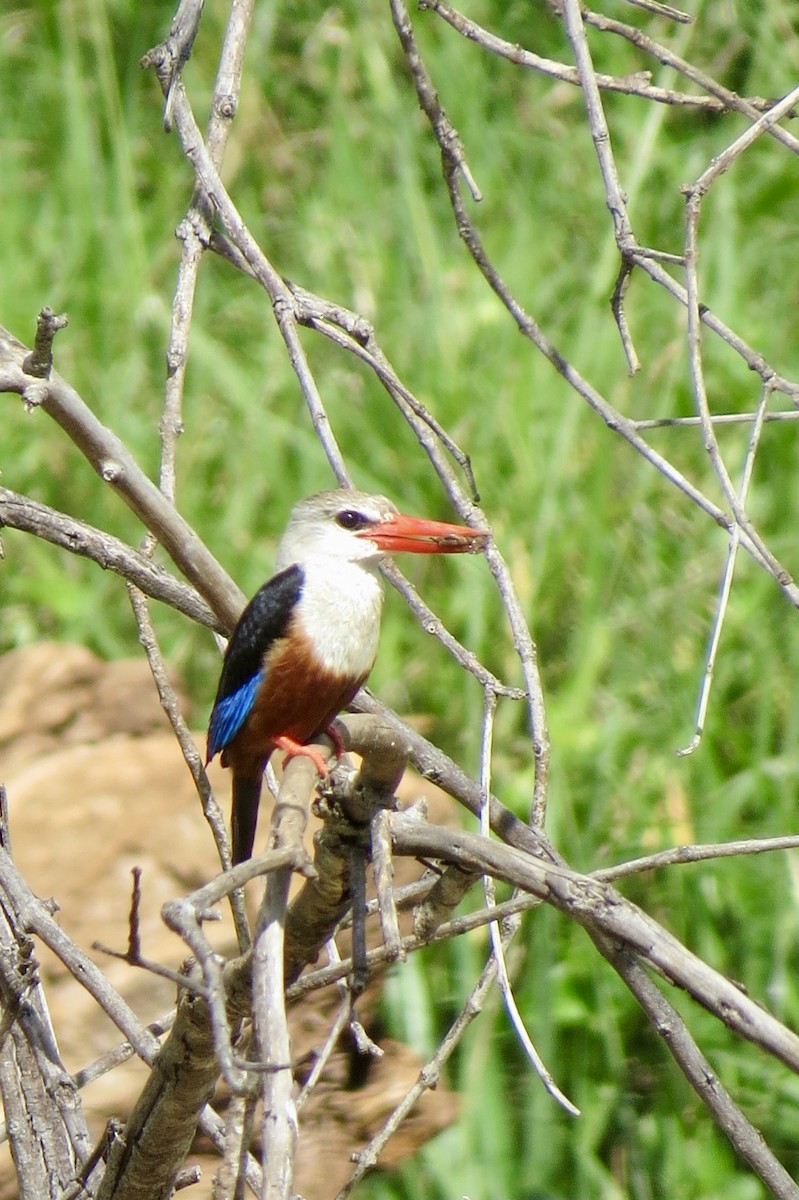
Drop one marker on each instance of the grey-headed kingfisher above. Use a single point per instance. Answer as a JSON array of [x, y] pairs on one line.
[[307, 640]]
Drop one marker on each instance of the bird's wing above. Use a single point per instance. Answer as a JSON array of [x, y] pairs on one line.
[[264, 620]]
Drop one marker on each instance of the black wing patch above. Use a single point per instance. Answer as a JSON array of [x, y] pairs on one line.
[[265, 619]]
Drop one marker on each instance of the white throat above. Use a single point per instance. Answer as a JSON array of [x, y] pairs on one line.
[[339, 609]]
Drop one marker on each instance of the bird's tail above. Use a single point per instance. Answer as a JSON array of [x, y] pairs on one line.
[[244, 816]]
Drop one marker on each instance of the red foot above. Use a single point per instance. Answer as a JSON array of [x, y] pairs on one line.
[[294, 749]]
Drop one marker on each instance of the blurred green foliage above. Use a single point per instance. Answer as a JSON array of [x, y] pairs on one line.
[[333, 167]]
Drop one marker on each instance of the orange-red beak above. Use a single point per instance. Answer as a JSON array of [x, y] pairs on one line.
[[411, 534]]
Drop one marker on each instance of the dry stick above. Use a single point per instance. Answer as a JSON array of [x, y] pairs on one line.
[[612, 418], [47, 1129], [523, 642], [726, 584], [730, 101], [746, 418], [428, 1078], [178, 46], [694, 196], [601, 910], [117, 467], [171, 706], [637, 84], [213, 1126], [331, 1041], [39, 363], [194, 231], [662, 10], [433, 625], [118, 1055], [620, 316], [239, 1119], [669, 1025], [600, 134], [20, 512], [279, 1130], [685, 855], [383, 871], [497, 941]]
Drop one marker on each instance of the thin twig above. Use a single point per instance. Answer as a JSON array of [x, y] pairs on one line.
[[428, 1078], [171, 706], [726, 584], [718, 419], [637, 84], [750, 107], [523, 641], [498, 941]]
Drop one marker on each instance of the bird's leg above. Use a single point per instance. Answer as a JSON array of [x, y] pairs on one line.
[[293, 749], [339, 749]]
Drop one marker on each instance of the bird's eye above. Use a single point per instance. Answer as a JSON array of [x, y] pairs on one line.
[[349, 519]]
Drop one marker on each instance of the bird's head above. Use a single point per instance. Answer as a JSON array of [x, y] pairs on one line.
[[358, 527]]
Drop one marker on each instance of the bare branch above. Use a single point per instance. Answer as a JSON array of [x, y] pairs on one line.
[[669, 1026], [606, 913], [114, 464], [19, 512], [638, 84]]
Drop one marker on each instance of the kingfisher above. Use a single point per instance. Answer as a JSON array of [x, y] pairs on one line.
[[307, 640]]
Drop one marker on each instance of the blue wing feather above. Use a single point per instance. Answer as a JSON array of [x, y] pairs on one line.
[[230, 713]]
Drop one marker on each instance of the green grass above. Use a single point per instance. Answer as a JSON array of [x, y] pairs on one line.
[[331, 164]]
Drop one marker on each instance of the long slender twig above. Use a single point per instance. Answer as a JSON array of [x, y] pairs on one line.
[[726, 584], [498, 941], [694, 196]]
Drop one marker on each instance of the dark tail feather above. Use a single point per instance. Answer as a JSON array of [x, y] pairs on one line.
[[244, 817]]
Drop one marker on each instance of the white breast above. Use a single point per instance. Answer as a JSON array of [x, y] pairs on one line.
[[339, 609]]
